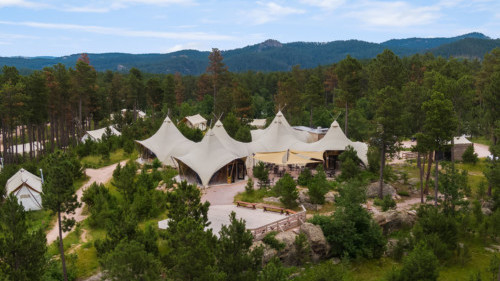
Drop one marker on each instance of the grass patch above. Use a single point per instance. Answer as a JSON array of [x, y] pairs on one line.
[[372, 270], [42, 219], [256, 196], [87, 262], [95, 161], [481, 140]]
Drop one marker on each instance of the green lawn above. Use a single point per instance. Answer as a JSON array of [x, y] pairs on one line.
[[95, 161], [43, 219], [481, 140]]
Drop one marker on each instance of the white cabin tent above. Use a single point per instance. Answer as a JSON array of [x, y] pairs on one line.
[[278, 136], [96, 135], [167, 142], [333, 143], [37, 147], [27, 188], [258, 123], [195, 121], [214, 160], [140, 114]]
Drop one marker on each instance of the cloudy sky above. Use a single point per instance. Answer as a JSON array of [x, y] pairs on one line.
[[62, 27]]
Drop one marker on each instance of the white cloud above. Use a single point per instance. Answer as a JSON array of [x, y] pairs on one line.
[[271, 11], [21, 3], [395, 14], [199, 36], [325, 4], [158, 2]]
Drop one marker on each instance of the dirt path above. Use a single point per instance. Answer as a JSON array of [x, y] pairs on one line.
[[101, 175]]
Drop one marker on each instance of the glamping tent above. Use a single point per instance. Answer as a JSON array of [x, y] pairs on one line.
[[96, 135], [278, 136], [460, 144], [258, 123], [27, 188], [195, 121], [334, 142], [37, 146], [167, 142], [216, 159]]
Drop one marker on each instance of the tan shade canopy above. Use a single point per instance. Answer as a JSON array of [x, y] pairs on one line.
[[285, 158]]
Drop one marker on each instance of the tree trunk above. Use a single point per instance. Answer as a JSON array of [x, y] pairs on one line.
[[453, 152], [61, 248], [346, 113], [428, 175], [436, 183], [421, 174], [310, 117], [382, 165]]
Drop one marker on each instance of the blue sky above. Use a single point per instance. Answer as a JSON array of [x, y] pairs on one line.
[[62, 27]]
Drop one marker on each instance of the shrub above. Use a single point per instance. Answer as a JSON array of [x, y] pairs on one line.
[[349, 164], [261, 173], [270, 239], [373, 156], [304, 177], [318, 187], [286, 188], [156, 163], [469, 156], [403, 193], [249, 187], [302, 249], [420, 264], [388, 203]]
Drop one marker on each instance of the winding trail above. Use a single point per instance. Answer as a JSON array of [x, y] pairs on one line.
[[102, 175]]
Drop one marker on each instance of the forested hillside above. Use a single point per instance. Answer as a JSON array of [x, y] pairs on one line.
[[270, 55]]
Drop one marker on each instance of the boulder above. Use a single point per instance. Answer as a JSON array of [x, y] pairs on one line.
[[268, 252], [312, 207], [486, 211], [317, 241], [414, 182], [372, 190], [393, 220], [287, 254], [304, 196], [330, 196]]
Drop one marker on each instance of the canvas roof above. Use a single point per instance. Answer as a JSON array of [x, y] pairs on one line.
[[97, 134], [167, 142], [196, 119], [23, 176], [259, 123], [211, 154], [461, 140], [335, 139], [278, 136], [237, 147]]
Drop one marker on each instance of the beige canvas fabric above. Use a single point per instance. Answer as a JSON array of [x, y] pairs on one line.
[[461, 140], [211, 154], [96, 135], [335, 139], [168, 142]]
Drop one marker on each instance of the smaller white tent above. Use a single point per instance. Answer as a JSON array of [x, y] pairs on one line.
[[167, 142], [334, 140], [461, 140], [258, 123], [96, 135], [37, 146], [140, 114], [27, 188], [196, 121]]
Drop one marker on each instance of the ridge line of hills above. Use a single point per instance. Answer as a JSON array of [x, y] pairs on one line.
[[270, 55]]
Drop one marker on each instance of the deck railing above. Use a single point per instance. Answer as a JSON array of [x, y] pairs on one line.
[[284, 224]]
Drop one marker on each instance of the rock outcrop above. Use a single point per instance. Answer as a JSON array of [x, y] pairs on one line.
[[317, 241], [372, 190], [393, 220]]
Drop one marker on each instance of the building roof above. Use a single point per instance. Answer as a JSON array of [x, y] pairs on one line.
[[99, 133], [168, 142], [211, 154], [196, 119], [22, 176], [319, 130], [335, 139], [278, 136], [259, 123], [461, 140]]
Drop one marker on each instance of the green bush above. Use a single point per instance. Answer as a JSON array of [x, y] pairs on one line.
[[304, 177], [388, 203], [349, 164], [420, 264], [318, 187], [373, 156], [270, 239], [403, 193], [249, 187], [286, 188], [261, 173], [469, 156]]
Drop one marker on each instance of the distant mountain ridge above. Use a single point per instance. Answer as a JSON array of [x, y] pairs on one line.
[[270, 55]]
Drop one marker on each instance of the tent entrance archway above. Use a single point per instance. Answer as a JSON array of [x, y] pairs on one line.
[[331, 158], [232, 172]]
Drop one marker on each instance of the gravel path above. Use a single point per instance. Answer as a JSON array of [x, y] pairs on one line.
[[102, 175], [223, 194]]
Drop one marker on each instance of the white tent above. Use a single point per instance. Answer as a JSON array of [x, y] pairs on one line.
[[334, 140], [196, 121], [211, 154], [237, 147], [461, 140], [37, 146], [278, 136], [167, 142], [140, 114], [96, 135], [258, 123], [27, 188]]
